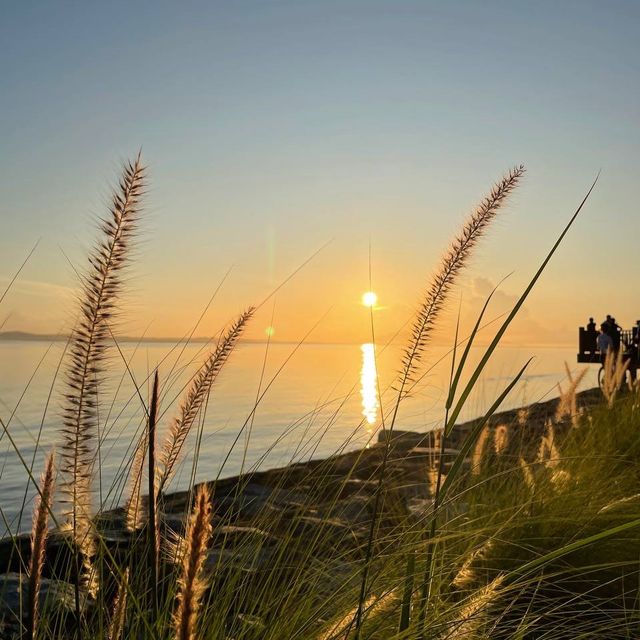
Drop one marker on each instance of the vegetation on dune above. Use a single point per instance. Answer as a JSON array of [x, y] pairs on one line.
[[517, 525]]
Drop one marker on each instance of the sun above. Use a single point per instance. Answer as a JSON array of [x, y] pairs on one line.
[[369, 299]]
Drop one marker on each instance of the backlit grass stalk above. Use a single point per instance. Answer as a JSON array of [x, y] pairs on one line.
[[116, 624], [196, 396], [451, 418], [39, 533], [466, 627], [101, 287], [133, 508], [153, 533], [453, 262], [191, 581]]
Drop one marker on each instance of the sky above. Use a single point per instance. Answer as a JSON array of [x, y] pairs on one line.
[[358, 134]]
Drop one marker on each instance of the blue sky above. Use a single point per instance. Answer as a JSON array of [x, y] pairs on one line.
[[271, 128]]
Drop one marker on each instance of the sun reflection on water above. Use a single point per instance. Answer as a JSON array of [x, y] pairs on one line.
[[368, 384]]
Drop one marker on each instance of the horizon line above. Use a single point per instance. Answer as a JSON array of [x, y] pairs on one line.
[[28, 336]]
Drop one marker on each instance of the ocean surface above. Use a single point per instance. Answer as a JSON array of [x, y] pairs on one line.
[[271, 405]]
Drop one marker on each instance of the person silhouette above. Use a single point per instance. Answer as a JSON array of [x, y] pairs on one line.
[[605, 342], [591, 325], [615, 334]]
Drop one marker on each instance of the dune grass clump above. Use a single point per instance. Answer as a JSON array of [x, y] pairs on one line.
[[520, 525]]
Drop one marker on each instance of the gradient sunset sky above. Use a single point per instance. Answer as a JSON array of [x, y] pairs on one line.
[[272, 129]]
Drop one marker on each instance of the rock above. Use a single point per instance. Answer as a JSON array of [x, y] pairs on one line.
[[234, 535], [419, 507], [354, 511], [353, 486], [254, 499], [431, 453], [56, 597], [250, 623], [247, 559], [316, 531], [14, 552], [406, 438]]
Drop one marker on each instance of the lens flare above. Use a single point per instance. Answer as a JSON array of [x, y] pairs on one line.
[[369, 299], [368, 383]]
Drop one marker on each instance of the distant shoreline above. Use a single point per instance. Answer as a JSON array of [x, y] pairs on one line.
[[25, 336]]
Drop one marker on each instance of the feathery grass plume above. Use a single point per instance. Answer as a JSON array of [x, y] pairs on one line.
[[39, 533], [195, 397], [173, 547], [101, 286], [523, 416], [547, 451], [452, 264], [374, 606], [528, 475], [116, 624], [466, 576], [478, 451], [567, 402], [501, 438], [473, 613], [432, 478], [339, 629], [615, 368], [454, 260], [134, 512], [560, 478], [191, 581], [616, 503]]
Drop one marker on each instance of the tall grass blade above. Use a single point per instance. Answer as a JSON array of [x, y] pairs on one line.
[[465, 354], [471, 439], [512, 314], [407, 593], [465, 450], [153, 532], [437, 294]]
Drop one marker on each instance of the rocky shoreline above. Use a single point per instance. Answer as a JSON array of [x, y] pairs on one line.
[[264, 520]]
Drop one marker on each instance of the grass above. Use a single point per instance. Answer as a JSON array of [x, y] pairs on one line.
[[525, 526]]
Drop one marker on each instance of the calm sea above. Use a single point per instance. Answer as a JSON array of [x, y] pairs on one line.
[[272, 404]]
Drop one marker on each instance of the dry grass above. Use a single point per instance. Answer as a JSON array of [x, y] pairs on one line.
[[470, 560], [451, 265], [101, 287], [39, 534], [195, 397], [191, 581], [443, 280], [118, 615]]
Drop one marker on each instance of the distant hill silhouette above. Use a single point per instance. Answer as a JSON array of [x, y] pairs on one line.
[[25, 336]]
